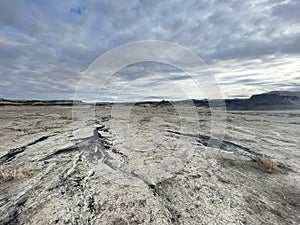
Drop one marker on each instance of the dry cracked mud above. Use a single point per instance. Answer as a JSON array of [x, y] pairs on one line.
[[146, 170]]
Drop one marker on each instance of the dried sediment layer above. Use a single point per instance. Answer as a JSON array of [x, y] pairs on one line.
[[103, 178]]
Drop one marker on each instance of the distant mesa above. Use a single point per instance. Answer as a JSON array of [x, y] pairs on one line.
[[275, 100]]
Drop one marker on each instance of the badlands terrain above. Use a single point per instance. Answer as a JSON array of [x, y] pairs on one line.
[[144, 168]]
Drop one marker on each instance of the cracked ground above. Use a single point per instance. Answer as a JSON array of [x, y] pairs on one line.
[[145, 169]]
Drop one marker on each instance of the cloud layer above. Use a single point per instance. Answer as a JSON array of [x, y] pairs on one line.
[[250, 46]]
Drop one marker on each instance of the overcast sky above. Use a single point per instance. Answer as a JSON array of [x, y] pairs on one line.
[[250, 46]]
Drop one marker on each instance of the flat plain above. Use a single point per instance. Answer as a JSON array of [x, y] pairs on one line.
[[146, 169]]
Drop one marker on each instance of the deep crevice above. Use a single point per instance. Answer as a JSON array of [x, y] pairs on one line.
[[12, 153], [61, 151], [224, 145]]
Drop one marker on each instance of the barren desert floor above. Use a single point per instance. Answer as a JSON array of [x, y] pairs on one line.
[[145, 169]]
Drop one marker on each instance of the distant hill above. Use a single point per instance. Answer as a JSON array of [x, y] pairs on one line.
[[8, 102], [275, 100]]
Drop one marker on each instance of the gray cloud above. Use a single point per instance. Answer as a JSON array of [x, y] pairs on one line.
[[46, 45]]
